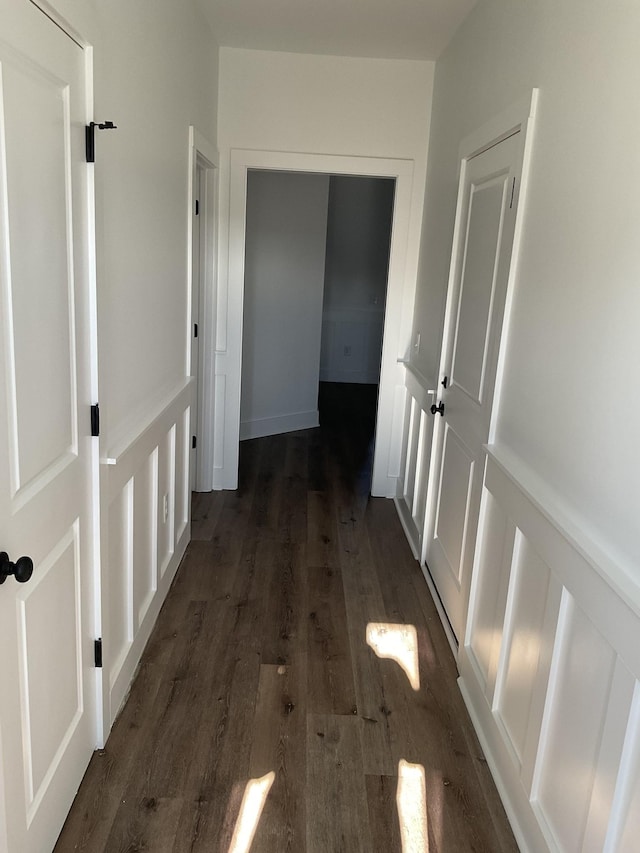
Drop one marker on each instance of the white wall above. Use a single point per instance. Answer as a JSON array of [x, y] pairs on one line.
[[358, 235], [155, 74], [571, 408], [284, 279], [325, 105], [286, 111]]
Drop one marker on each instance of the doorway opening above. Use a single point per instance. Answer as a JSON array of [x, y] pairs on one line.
[[316, 270], [397, 315]]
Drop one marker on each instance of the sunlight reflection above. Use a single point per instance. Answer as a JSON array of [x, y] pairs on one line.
[[398, 643], [411, 800], [255, 795]]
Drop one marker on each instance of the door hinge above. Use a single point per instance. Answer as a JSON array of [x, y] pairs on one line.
[[513, 189], [195, 330], [90, 137], [97, 653], [193, 442], [197, 207], [95, 420]]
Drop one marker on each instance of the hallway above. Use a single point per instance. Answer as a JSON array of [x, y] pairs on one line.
[[259, 663]]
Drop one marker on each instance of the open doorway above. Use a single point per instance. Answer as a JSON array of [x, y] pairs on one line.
[[397, 318], [316, 267], [359, 220]]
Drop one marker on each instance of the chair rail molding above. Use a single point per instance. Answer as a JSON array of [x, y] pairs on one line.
[[550, 669]]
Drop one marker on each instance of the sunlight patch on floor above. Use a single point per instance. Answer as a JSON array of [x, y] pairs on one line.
[[398, 643], [411, 800], [255, 795]]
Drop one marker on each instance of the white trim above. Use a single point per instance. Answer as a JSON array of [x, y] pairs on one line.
[[514, 118], [262, 427], [448, 631], [406, 521], [514, 800], [398, 320], [201, 144], [137, 430], [425, 384], [202, 152]]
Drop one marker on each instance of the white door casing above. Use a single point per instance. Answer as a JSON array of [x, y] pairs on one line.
[[481, 266], [398, 312], [48, 700], [202, 296], [196, 293]]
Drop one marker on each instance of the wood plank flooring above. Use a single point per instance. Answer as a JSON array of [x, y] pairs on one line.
[[259, 663]]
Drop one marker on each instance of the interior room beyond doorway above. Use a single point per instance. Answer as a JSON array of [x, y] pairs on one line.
[[316, 269]]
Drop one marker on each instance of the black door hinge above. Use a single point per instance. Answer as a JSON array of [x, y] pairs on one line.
[[193, 442], [513, 189], [97, 653], [90, 137], [195, 330], [95, 420], [197, 207]]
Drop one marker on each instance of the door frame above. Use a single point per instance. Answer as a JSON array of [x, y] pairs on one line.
[[202, 153], [519, 117], [80, 23], [398, 308]]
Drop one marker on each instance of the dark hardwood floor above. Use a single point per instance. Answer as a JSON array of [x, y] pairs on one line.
[[259, 664]]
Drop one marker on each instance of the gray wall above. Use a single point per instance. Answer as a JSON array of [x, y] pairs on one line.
[[284, 279], [358, 235]]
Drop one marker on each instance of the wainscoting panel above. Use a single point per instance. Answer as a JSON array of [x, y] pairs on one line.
[[411, 498], [550, 671], [148, 531], [120, 622], [145, 581]]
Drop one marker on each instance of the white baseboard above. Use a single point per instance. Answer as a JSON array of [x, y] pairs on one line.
[[262, 427], [514, 799]]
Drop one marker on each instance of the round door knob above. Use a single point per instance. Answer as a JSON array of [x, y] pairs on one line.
[[437, 410], [22, 569]]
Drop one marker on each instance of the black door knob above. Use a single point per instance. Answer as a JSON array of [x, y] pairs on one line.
[[437, 409], [22, 569]]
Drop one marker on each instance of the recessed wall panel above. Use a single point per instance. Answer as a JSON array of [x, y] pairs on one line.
[[412, 453], [145, 536], [619, 751], [166, 494], [522, 655], [453, 500], [575, 718], [183, 468], [39, 219], [120, 582], [422, 473], [50, 664], [481, 253]]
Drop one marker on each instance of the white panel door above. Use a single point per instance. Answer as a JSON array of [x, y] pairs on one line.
[[475, 309], [48, 684]]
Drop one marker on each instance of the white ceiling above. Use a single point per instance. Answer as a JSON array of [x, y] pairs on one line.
[[387, 29]]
